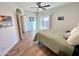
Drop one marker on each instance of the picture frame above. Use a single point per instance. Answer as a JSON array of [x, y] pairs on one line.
[[60, 17], [31, 18], [5, 21]]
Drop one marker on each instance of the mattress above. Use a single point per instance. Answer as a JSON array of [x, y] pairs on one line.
[[54, 41]]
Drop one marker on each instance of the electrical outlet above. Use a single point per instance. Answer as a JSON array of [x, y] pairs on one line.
[[2, 48]]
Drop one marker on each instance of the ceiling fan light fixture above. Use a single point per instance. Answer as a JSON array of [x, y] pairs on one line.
[[39, 9]]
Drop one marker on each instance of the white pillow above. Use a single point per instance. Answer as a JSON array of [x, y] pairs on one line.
[[76, 29], [73, 39]]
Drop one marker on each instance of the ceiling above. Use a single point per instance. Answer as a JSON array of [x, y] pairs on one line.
[[26, 6]]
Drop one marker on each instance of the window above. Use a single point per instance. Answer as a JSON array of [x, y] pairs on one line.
[[45, 23]]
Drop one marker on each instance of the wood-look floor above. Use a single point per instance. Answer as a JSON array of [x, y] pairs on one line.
[[26, 48]]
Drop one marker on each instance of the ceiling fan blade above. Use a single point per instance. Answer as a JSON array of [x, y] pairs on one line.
[[38, 3], [43, 8], [46, 6], [34, 7]]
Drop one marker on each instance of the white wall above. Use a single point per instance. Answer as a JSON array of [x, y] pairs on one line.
[[71, 17], [8, 36], [28, 27]]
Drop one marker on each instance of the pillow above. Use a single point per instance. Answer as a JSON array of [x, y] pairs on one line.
[[73, 39], [76, 29]]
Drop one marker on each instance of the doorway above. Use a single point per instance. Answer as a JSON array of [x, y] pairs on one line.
[[30, 25]]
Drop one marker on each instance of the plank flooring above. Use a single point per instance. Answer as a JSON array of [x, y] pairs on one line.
[[26, 47]]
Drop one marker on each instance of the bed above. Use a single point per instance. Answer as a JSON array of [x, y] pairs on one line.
[[54, 41]]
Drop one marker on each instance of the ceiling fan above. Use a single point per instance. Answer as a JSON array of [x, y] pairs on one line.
[[40, 6]]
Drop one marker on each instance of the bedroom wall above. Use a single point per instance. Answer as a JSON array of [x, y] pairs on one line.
[[8, 36], [71, 17]]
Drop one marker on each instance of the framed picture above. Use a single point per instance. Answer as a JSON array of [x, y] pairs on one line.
[[61, 18], [5, 21], [31, 18]]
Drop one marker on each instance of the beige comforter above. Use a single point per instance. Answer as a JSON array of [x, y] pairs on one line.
[[54, 41]]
